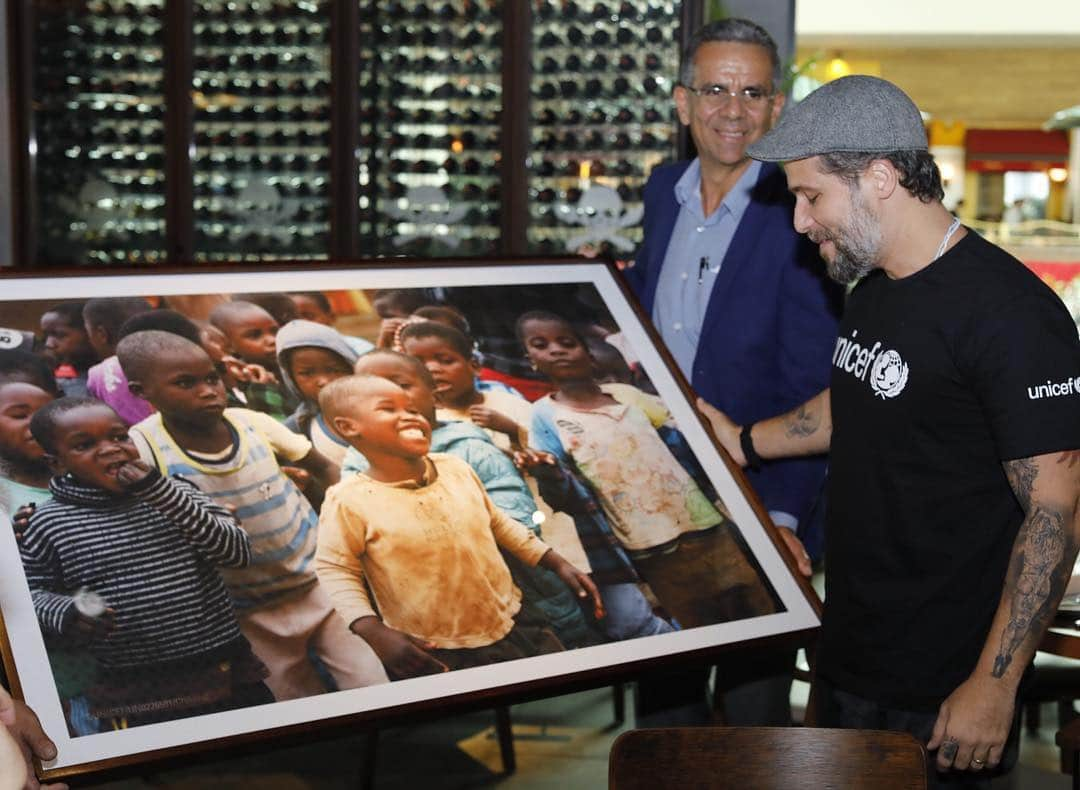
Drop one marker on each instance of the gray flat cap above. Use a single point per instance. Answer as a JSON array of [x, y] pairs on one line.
[[857, 113]]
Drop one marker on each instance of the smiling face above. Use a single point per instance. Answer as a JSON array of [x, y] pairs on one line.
[[722, 133], [555, 350], [454, 374], [92, 444], [252, 335], [65, 342], [382, 419], [837, 216], [18, 402], [405, 374], [313, 368], [184, 386]]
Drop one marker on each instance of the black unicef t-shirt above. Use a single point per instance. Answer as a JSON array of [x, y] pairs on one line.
[[937, 378]]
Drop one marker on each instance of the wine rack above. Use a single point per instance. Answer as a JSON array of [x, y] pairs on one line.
[[603, 117], [430, 112], [98, 130], [470, 128], [261, 165]]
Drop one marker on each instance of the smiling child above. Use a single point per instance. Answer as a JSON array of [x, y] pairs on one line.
[[502, 481], [422, 532]]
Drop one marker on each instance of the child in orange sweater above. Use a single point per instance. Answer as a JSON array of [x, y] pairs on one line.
[[421, 531]]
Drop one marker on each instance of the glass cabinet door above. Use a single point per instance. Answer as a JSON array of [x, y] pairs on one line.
[[590, 87], [261, 154], [96, 143], [429, 139], [603, 117]]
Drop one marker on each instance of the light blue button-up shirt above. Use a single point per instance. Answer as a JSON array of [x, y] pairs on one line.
[[694, 254]]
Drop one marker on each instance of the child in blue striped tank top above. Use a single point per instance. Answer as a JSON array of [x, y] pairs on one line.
[[232, 455]]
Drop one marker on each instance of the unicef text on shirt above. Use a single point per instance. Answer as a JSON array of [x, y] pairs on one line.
[[853, 358], [888, 371], [1053, 389]]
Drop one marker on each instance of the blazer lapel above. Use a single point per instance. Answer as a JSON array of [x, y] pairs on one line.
[[663, 224], [740, 252]]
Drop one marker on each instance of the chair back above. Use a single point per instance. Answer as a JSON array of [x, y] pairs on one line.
[[766, 758]]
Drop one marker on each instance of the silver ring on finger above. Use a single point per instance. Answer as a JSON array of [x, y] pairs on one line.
[[977, 763]]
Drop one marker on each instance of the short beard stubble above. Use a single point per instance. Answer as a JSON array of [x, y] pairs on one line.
[[857, 243]]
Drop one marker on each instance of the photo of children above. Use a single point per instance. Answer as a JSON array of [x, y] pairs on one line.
[[267, 495]]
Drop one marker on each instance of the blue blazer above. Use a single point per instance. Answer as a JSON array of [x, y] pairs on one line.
[[770, 326]]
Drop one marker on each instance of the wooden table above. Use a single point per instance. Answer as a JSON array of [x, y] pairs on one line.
[[1061, 641]]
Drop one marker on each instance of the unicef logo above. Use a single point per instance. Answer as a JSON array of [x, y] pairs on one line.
[[889, 375], [1054, 389]]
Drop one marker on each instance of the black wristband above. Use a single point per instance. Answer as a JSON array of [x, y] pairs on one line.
[[753, 460]]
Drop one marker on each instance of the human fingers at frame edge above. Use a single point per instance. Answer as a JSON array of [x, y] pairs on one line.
[[727, 432], [34, 743], [14, 771], [798, 551]]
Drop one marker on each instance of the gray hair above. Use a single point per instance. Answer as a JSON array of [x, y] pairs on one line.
[[919, 173], [741, 31]]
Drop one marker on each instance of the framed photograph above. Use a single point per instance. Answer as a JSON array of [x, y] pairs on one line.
[[569, 519]]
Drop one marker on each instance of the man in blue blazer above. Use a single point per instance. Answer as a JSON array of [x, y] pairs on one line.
[[740, 299], [769, 328]]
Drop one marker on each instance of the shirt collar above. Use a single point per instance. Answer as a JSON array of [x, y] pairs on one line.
[[688, 189], [431, 474]]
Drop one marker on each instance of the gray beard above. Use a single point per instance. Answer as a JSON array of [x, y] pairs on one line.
[[857, 244], [848, 265]]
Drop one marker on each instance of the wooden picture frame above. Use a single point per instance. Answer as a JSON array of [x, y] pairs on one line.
[[491, 294]]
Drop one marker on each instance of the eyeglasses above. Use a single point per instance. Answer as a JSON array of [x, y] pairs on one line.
[[714, 96]]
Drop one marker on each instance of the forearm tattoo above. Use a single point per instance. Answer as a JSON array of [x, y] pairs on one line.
[[802, 423], [1040, 567], [1021, 474]]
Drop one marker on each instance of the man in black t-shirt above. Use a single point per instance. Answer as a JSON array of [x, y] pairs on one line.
[[953, 425]]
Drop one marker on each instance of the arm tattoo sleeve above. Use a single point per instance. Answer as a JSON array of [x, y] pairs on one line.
[[802, 423], [1021, 474], [1038, 571]]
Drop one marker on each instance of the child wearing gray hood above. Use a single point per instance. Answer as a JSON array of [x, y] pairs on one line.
[[310, 356]]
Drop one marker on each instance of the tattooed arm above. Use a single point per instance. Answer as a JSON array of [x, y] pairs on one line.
[[974, 721], [805, 430]]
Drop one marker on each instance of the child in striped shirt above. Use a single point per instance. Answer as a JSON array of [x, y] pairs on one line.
[[125, 561]]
